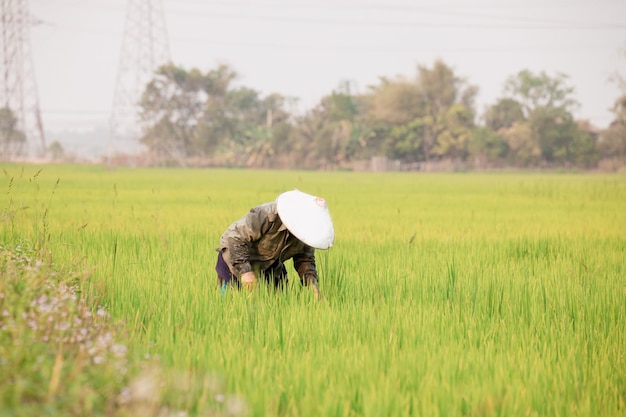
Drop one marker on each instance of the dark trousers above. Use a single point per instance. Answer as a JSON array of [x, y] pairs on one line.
[[276, 274]]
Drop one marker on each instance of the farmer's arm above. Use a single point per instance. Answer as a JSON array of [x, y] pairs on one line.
[[304, 263], [238, 240]]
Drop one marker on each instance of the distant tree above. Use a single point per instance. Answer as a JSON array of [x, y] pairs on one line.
[[56, 151], [308, 132], [613, 139], [187, 113], [557, 135], [273, 139], [522, 144], [540, 91], [504, 113], [406, 141], [547, 105], [171, 106], [440, 89], [486, 146], [430, 117], [394, 102], [448, 111], [392, 110], [453, 140], [350, 133], [243, 113], [217, 128], [12, 139], [583, 150], [323, 135], [342, 104], [334, 131]]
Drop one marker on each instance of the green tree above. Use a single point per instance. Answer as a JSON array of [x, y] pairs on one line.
[[613, 139], [56, 151], [440, 89], [540, 91], [447, 111], [522, 144], [504, 113], [171, 105], [394, 102], [334, 131], [406, 141], [584, 146], [12, 139], [453, 140], [390, 111], [272, 138], [350, 134], [547, 105], [321, 136], [217, 127], [486, 146], [430, 117], [187, 113]]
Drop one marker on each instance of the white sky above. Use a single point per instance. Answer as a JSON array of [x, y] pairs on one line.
[[305, 48]]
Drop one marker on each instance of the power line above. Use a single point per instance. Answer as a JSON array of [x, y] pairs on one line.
[[76, 111], [414, 24], [502, 21], [340, 47], [440, 9]]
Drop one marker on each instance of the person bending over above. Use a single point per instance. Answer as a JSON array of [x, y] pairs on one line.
[[258, 244]]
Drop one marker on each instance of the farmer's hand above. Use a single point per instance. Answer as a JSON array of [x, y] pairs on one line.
[[316, 291], [248, 280]]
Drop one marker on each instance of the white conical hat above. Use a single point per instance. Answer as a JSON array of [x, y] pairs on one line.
[[307, 217]]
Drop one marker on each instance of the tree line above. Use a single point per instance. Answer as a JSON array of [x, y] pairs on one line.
[[190, 117]]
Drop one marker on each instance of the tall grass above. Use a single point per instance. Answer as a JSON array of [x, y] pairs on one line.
[[474, 294]]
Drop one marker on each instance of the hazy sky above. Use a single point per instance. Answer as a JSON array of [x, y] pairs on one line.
[[305, 48]]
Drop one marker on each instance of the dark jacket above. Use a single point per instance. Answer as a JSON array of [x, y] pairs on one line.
[[260, 239]]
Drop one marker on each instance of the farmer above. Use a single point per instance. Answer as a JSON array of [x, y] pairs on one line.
[[258, 244]]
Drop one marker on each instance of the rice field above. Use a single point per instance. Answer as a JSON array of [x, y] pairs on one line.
[[444, 295]]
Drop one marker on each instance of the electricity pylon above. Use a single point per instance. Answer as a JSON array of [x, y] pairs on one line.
[[22, 129], [145, 47]]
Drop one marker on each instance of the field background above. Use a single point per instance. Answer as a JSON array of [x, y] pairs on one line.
[[445, 294]]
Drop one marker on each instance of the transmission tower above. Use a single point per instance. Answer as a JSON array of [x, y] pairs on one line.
[[18, 88], [145, 47]]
